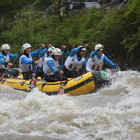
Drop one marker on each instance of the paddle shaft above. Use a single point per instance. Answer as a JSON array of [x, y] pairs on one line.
[[16, 58], [37, 64], [33, 79], [62, 65], [61, 90]]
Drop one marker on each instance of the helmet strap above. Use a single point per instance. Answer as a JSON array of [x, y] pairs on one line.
[[4, 52], [25, 53], [53, 56]]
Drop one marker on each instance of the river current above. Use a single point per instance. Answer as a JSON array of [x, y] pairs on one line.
[[111, 113]]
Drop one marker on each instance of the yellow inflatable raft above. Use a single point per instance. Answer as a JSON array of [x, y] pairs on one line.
[[78, 86]]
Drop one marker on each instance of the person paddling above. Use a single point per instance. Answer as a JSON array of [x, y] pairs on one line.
[[26, 61], [51, 68], [75, 62], [39, 68], [97, 60], [5, 56], [45, 54]]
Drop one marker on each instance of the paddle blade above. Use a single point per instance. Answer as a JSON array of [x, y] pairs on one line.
[[61, 90], [2, 76], [32, 83]]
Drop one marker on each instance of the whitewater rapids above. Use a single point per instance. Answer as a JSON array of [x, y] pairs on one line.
[[112, 113]]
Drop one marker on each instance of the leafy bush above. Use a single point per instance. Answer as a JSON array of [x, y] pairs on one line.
[[117, 29]]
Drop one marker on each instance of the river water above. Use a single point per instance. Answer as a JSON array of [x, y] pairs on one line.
[[112, 113]]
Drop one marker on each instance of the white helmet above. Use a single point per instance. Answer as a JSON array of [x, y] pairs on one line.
[[57, 51], [5, 47], [26, 46], [51, 49], [98, 46], [83, 49]]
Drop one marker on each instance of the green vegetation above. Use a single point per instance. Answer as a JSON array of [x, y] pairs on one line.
[[117, 29]]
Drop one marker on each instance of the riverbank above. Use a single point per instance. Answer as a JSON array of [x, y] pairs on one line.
[[117, 29]]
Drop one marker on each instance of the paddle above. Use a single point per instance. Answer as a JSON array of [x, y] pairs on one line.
[[33, 79], [61, 89], [3, 75]]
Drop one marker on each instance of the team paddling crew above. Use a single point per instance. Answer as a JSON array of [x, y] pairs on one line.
[[97, 60], [51, 68], [75, 62], [49, 58], [26, 61]]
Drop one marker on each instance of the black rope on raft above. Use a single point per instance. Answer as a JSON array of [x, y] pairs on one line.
[[24, 83]]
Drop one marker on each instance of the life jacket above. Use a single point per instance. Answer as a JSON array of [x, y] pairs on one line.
[[46, 68], [72, 63], [90, 65], [95, 63], [41, 60], [6, 58], [25, 67]]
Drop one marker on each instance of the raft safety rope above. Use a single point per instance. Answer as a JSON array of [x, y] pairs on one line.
[[42, 84]]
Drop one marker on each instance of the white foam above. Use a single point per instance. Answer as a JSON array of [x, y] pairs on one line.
[[112, 113]]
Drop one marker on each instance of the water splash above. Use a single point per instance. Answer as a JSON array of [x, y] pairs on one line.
[[110, 114]]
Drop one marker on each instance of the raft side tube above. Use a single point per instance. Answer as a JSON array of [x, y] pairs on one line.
[[78, 86]]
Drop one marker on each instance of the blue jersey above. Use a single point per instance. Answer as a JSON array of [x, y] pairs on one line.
[[79, 57], [26, 60], [106, 59], [9, 55]]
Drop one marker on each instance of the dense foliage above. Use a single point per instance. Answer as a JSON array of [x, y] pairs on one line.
[[117, 29]]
